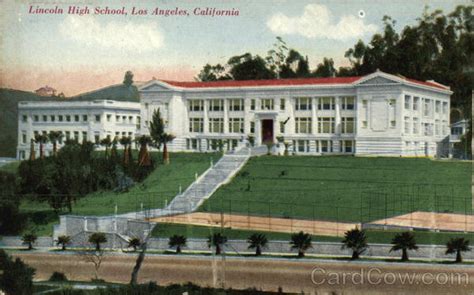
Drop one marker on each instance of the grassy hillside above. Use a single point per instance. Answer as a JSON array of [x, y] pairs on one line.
[[345, 188], [9, 99]]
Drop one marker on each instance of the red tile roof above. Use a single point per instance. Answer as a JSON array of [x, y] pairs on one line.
[[286, 82], [274, 82]]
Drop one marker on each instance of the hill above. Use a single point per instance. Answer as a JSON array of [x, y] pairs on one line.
[[9, 99]]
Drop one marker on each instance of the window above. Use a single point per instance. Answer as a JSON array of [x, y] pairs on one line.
[[407, 126], [364, 124], [236, 105], [445, 107], [282, 127], [216, 105], [216, 125], [445, 127], [117, 119], [407, 102], [130, 119], [196, 125], [252, 104], [139, 122], [60, 118], [53, 118], [347, 125], [427, 129], [35, 134], [96, 138], [196, 105], [438, 107], [124, 119], [437, 127], [130, 134], [192, 144], [23, 137], [346, 146], [25, 118], [282, 104], [252, 127], [76, 118], [68, 118], [416, 103], [303, 103], [393, 124], [415, 126], [36, 118], [348, 102], [326, 125], [236, 125], [45, 118], [326, 146], [303, 125], [97, 118], [84, 136], [109, 117], [301, 146], [68, 135], [76, 135], [267, 104], [326, 103], [85, 118], [426, 107]]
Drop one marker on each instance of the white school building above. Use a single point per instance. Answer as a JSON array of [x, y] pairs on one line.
[[377, 114], [79, 120]]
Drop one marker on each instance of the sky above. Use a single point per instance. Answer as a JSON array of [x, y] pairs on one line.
[[78, 53]]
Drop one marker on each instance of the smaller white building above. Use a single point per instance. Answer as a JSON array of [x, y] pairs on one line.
[[80, 120]]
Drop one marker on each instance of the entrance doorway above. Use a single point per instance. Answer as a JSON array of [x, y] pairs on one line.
[[267, 131]]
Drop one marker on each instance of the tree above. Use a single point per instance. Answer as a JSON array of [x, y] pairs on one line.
[[218, 241], [144, 158], [302, 242], [42, 140], [128, 79], [404, 241], [177, 241], [134, 243], [257, 242], [157, 128], [325, 69], [54, 137], [106, 142], [32, 150], [96, 258], [15, 276], [356, 240], [248, 67], [29, 239], [97, 239], [276, 56], [63, 241], [457, 245], [213, 73], [126, 143], [165, 138]]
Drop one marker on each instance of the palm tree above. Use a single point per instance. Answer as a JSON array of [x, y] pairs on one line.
[[217, 240], [63, 240], [404, 241], [54, 137], [113, 150], [165, 138], [32, 150], [126, 142], [144, 156], [106, 142], [41, 139], [302, 242], [178, 242], [356, 240], [97, 239], [134, 243], [457, 245], [29, 239], [257, 242]]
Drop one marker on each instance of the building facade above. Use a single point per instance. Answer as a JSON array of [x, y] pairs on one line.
[[377, 114], [80, 120]]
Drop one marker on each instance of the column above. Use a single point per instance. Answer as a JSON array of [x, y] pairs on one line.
[[338, 116], [314, 119], [226, 116], [206, 116]]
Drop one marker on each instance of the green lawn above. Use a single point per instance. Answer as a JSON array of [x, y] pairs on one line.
[[345, 188], [158, 188], [166, 230], [10, 167]]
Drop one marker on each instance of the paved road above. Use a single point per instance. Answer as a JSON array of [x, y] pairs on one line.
[[311, 276]]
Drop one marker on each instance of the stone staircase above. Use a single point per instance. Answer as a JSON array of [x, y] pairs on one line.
[[221, 173]]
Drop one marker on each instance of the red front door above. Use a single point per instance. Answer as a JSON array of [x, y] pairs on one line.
[[267, 131]]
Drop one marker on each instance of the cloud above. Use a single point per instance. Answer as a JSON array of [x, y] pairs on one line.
[[318, 22], [86, 30]]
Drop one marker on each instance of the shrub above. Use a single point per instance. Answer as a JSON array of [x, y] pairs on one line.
[[58, 277]]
